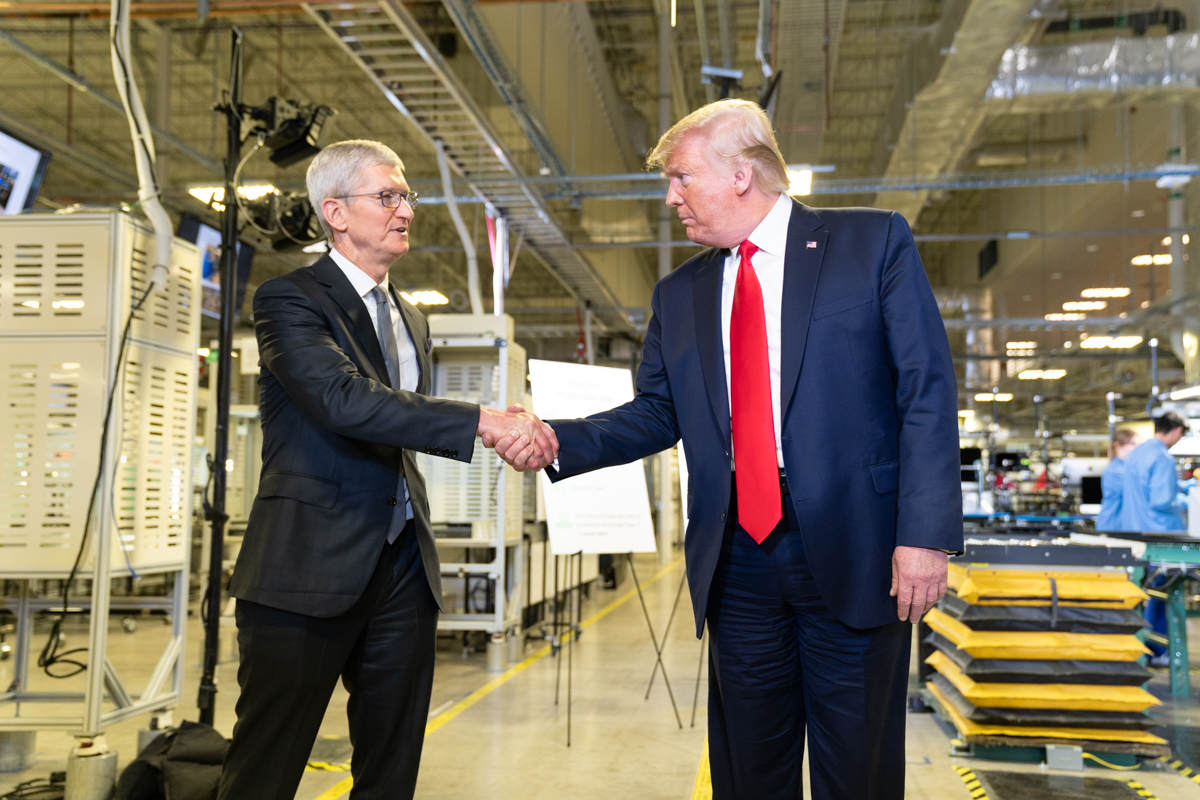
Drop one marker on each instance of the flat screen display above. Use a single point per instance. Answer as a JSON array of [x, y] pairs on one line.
[[22, 167], [208, 240]]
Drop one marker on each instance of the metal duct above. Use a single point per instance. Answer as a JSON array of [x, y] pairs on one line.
[[1094, 73], [945, 114]]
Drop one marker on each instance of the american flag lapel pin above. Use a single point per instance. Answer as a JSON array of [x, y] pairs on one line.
[[812, 245]]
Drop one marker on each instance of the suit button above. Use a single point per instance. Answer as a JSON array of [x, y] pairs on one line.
[[428, 451], [454, 454], [391, 501], [722, 516]]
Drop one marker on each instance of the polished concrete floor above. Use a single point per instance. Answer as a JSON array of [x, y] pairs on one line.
[[501, 735]]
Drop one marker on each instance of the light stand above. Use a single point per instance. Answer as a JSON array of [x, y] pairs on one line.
[[232, 110]]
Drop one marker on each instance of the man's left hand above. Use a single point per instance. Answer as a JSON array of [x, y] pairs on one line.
[[918, 580]]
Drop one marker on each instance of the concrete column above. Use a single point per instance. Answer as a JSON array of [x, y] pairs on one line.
[[664, 123], [162, 99], [1175, 209]]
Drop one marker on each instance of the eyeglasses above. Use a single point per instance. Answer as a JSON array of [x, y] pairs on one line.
[[389, 199]]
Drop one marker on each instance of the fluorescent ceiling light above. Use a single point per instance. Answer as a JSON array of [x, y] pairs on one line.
[[427, 297], [966, 412], [800, 181], [1112, 291], [1020, 352], [1160, 260], [1065, 317], [1113, 342], [1021, 345], [987, 397], [1042, 374], [1085, 305], [216, 194], [1183, 394]]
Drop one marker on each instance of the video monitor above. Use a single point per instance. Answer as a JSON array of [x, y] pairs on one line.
[[1090, 490], [208, 240], [22, 168], [967, 456]]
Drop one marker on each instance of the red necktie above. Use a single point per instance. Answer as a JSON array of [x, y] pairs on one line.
[[758, 499]]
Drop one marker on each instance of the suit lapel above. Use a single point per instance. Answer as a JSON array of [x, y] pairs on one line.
[[330, 274], [411, 318], [801, 270], [706, 289]]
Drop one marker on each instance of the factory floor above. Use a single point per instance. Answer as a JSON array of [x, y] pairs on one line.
[[500, 735]]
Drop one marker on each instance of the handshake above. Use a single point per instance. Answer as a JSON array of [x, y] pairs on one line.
[[518, 437]]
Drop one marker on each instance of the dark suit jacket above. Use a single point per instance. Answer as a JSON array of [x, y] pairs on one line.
[[334, 438], [869, 404]]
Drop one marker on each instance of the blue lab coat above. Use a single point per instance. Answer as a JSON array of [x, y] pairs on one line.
[[1112, 484], [1151, 500]]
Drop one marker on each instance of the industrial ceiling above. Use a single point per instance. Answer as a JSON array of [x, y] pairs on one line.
[[1020, 138]]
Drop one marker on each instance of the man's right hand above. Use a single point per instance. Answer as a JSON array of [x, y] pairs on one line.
[[519, 437]]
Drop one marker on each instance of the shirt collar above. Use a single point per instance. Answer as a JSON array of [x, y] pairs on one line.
[[361, 281], [771, 234]]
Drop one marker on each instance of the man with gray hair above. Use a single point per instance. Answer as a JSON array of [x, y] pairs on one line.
[[338, 574], [803, 361]]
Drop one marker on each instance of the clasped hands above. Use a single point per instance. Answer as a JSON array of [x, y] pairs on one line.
[[519, 437]]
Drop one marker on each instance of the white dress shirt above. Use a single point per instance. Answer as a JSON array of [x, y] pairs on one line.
[[771, 239], [410, 371]]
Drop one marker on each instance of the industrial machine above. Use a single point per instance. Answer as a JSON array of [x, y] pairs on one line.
[[98, 420], [477, 509]]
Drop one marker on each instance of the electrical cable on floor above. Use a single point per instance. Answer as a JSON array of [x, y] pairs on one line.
[[52, 788], [1104, 763], [50, 656]]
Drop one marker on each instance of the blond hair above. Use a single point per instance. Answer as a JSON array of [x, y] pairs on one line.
[[1120, 439], [336, 171], [737, 132]]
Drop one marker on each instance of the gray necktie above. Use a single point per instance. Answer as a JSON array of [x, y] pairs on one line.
[[387, 336], [391, 355]]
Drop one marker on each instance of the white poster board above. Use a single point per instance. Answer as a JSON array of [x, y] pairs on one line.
[[607, 511]]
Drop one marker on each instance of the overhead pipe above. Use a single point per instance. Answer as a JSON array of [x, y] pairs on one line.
[[468, 244], [710, 91]]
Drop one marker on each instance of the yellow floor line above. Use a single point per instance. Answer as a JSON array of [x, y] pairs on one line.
[[702, 788], [342, 788], [474, 697]]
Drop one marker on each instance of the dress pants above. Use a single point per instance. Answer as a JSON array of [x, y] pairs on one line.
[[782, 665], [383, 650]]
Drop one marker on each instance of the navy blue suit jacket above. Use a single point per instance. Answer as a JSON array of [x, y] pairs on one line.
[[869, 404]]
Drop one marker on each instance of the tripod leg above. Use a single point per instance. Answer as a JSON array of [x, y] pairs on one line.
[[653, 638], [699, 667], [557, 639], [666, 631]]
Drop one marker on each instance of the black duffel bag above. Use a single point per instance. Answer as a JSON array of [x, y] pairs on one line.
[[182, 764]]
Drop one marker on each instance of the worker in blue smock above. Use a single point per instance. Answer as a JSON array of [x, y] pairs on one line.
[[1112, 480], [1153, 499]]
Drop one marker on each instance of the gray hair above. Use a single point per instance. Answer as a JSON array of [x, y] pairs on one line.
[[336, 170]]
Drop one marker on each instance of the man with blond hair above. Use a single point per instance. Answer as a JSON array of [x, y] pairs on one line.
[[803, 361], [338, 574]]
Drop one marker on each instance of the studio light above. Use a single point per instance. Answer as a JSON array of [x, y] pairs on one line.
[[291, 129]]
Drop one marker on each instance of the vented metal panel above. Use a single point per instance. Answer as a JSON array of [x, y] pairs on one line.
[[51, 446], [461, 493], [66, 284], [153, 483]]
